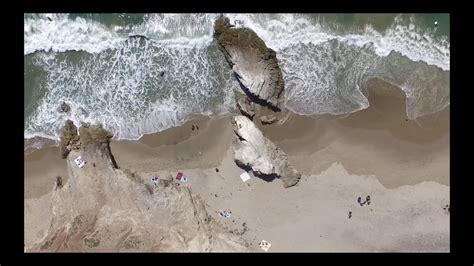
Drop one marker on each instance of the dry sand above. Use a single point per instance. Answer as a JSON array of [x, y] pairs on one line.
[[376, 152], [41, 168]]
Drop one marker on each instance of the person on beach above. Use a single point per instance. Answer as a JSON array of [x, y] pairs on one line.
[[59, 182], [367, 199], [192, 127]]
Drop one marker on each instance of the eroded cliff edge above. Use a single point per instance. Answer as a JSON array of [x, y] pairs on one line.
[[102, 208]]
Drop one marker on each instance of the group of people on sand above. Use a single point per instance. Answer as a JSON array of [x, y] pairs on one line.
[[367, 200], [193, 126], [361, 203], [447, 208]]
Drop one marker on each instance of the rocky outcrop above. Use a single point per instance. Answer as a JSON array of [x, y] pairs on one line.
[[269, 119], [255, 152], [93, 138], [64, 107], [254, 64], [97, 139], [246, 107], [68, 139], [102, 208]]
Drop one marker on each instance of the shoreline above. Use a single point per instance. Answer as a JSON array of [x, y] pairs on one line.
[[374, 86], [378, 133]]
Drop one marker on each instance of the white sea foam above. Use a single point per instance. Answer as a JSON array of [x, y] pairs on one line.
[[280, 31], [60, 33], [138, 86], [277, 30], [64, 34]]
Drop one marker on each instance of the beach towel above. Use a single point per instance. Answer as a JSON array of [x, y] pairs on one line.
[[179, 176], [79, 161], [225, 213], [245, 176]]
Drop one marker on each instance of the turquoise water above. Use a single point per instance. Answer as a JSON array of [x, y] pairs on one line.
[[136, 86]]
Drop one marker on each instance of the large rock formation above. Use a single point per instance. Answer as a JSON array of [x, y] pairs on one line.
[[252, 150], [269, 119], [102, 208], [254, 64]]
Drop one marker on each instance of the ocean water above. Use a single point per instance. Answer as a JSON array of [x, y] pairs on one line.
[[139, 85]]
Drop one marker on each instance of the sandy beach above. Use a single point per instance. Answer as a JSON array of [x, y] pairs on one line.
[[403, 166]]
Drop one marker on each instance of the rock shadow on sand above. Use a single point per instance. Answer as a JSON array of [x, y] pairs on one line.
[[266, 177]]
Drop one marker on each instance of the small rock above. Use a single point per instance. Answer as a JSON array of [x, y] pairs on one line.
[[268, 119], [246, 107], [64, 107]]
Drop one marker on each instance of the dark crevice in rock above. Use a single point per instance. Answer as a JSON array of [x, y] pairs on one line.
[[112, 158], [244, 167], [239, 137], [255, 98]]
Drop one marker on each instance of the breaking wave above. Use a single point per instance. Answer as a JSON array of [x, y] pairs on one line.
[[172, 69]]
